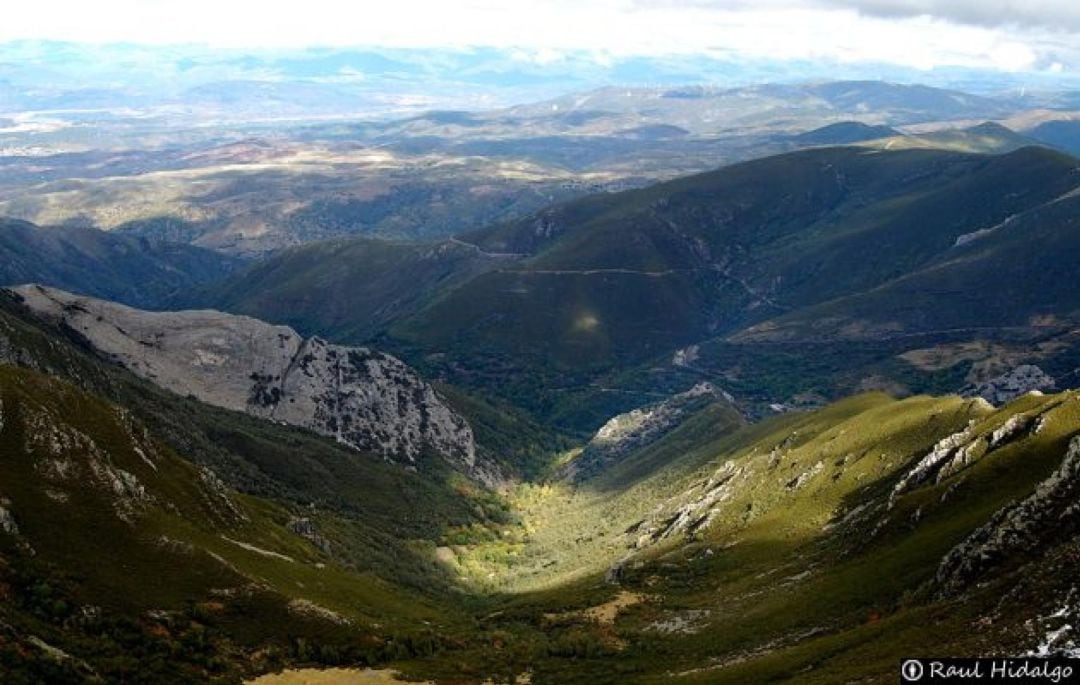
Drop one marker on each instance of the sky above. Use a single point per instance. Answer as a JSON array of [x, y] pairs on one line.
[[1021, 36]]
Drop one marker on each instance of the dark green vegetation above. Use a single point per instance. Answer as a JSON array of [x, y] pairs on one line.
[[135, 271], [859, 244], [99, 495], [350, 289], [144, 567], [815, 546]]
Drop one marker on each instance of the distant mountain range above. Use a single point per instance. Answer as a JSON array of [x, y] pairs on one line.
[[248, 187], [237, 84]]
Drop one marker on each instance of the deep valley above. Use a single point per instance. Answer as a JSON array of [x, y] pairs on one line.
[[671, 383]]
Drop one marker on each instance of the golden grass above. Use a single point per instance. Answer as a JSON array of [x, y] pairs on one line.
[[330, 676]]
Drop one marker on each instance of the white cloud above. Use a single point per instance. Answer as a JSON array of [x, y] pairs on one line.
[[916, 34], [1057, 15]]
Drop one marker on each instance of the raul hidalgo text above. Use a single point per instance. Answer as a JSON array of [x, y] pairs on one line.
[[1002, 669]]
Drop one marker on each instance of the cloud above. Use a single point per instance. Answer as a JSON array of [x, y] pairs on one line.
[[923, 34], [1054, 15]]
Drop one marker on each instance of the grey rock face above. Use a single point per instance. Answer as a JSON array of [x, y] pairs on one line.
[[956, 452], [693, 515], [638, 428], [306, 528], [956, 447], [7, 522], [1008, 386], [1049, 513], [365, 399]]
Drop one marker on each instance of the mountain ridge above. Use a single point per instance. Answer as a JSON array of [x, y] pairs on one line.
[[363, 399], [131, 270]]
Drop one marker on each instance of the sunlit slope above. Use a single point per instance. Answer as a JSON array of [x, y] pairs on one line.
[[249, 453], [809, 548]]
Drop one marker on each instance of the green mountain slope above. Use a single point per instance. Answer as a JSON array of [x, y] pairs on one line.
[[810, 547], [1030, 255], [575, 313], [626, 278], [138, 565], [347, 289], [988, 137], [817, 547], [844, 133], [127, 269], [381, 504], [1063, 134]]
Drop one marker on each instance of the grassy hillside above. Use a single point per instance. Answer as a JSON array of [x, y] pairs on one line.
[[806, 548], [380, 505], [985, 138], [138, 565], [844, 133], [1031, 257], [574, 313]]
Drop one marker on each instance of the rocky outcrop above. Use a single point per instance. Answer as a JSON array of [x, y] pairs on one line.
[[74, 449], [639, 428], [956, 452], [306, 528], [1049, 514], [7, 521], [307, 608], [1008, 386], [68, 459], [958, 448], [691, 516], [365, 399]]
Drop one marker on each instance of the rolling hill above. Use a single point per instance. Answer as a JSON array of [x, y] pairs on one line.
[[986, 138], [135, 271], [844, 133], [1063, 134], [147, 535], [615, 280]]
